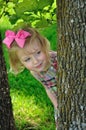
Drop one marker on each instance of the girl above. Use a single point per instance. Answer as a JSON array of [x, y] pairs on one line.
[[27, 48]]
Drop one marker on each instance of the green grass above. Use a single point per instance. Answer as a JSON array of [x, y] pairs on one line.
[[32, 108]]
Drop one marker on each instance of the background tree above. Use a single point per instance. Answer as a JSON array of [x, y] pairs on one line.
[[6, 114], [72, 66]]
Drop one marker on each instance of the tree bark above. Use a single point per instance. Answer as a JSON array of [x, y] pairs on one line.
[[6, 114], [71, 75]]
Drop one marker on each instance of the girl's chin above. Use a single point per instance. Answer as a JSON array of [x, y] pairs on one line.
[[39, 69], [43, 66]]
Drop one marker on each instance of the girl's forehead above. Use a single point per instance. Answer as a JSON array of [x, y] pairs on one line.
[[29, 49]]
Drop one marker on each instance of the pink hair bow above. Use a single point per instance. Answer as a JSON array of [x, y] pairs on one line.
[[19, 38]]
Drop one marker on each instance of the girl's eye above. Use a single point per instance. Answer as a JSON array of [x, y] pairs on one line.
[[38, 52], [28, 59]]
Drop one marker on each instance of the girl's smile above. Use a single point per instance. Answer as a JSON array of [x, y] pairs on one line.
[[38, 66]]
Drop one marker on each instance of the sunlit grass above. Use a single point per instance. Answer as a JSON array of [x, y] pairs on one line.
[[27, 112]]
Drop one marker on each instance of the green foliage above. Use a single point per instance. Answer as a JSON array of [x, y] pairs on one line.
[[31, 6], [26, 5], [1, 7], [10, 8], [43, 3], [37, 13], [4, 25], [1, 4]]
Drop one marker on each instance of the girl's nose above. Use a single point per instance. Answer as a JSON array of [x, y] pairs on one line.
[[35, 61]]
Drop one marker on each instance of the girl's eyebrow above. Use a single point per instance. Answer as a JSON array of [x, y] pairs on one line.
[[35, 50]]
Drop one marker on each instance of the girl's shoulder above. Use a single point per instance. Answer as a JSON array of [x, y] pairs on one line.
[[53, 56], [53, 53]]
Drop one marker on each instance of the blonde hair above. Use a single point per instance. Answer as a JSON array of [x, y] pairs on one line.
[[15, 64]]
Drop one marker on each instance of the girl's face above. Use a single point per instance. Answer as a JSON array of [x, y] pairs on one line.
[[33, 57]]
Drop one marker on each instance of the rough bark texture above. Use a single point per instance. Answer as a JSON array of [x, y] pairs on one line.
[[6, 115], [71, 82]]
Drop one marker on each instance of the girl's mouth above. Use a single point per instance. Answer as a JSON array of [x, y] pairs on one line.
[[39, 65]]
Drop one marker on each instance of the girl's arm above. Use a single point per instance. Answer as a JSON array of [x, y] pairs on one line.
[[52, 97]]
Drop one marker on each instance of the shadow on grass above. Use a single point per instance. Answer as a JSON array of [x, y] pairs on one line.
[[29, 126]]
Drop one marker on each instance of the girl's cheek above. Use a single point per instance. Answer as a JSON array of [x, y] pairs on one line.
[[42, 56], [29, 67]]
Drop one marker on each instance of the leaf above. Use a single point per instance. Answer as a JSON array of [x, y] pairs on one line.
[[41, 23], [10, 8], [26, 5], [34, 5], [13, 19], [43, 3], [18, 25]]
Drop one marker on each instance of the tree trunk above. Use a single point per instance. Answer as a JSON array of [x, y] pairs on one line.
[[6, 115], [71, 75]]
